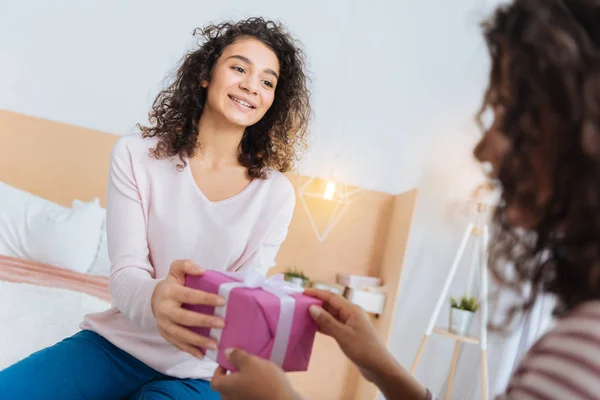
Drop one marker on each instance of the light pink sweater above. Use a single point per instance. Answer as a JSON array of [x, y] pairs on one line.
[[157, 214]]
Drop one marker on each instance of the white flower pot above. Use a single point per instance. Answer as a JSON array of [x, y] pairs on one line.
[[460, 321]]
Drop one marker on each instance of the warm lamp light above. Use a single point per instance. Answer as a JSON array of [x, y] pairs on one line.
[[329, 191], [338, 193]]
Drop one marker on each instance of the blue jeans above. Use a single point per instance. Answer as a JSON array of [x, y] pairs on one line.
[[87, 366]]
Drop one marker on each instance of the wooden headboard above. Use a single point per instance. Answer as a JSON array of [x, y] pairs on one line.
[[57, 161]]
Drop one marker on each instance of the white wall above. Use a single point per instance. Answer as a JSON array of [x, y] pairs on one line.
[[392, 75]]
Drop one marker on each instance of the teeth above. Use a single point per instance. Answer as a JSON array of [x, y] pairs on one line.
[[242, 102]]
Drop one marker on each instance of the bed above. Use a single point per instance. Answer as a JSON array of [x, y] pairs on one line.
[[41, 304], [53, 260]]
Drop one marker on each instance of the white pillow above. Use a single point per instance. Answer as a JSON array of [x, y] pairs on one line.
[[16, 207], [101, 264], [38, 229]]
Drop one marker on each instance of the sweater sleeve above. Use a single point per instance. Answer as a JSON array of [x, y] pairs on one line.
[[263, 258], [132, 278]]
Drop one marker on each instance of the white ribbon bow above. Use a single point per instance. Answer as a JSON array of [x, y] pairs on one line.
[[254, 279]]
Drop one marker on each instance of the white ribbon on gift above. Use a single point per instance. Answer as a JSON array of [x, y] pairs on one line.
[[253, 278]]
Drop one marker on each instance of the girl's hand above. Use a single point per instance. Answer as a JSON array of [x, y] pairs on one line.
[[257, 379], [173, 320]]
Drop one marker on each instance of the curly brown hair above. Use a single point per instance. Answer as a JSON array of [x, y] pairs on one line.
[[276, 141], [546, 63]]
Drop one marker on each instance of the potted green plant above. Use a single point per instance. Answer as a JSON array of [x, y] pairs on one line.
[[296, 277], [461, 314]]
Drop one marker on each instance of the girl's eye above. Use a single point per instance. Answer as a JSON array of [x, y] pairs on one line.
[[268, 84], [238, 69]]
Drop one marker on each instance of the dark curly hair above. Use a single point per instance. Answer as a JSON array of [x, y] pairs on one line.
[[276, 141], [545, 75]]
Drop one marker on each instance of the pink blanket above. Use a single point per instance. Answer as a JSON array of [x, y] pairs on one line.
[[26, 271]]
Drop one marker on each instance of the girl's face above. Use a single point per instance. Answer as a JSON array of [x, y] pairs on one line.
[[243, 81], [493, 146], [496, 145]]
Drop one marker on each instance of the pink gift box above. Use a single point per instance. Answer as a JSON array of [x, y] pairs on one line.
[[251, 321]]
